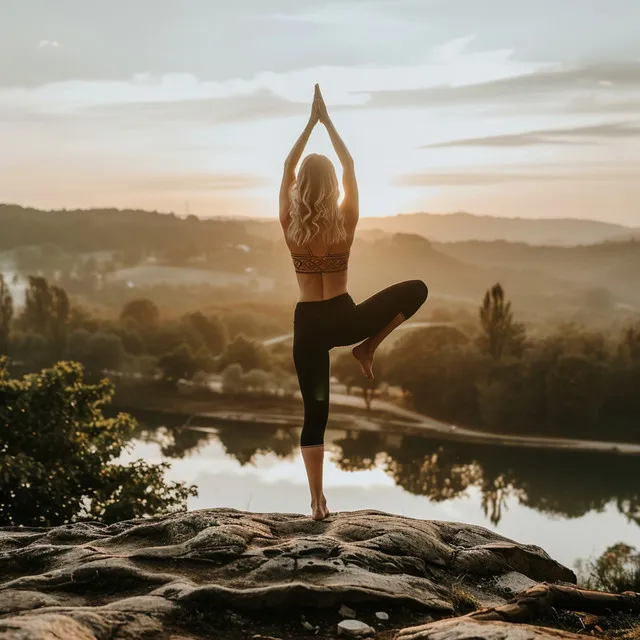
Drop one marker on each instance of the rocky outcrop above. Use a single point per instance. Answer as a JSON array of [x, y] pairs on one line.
[[177, 575]]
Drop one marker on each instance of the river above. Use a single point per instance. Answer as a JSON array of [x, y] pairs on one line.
[[572, 504]]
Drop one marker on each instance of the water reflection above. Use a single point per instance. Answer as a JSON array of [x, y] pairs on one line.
[[557, 483]]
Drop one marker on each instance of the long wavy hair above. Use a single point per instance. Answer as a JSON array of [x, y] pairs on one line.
[[314, 203]]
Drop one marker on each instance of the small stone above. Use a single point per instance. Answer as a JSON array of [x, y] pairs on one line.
[[355, 629], [346, 612], [514, 582], [382, 615], [307, 625]]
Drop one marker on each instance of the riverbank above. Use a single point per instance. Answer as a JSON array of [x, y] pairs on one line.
[[347, 412]]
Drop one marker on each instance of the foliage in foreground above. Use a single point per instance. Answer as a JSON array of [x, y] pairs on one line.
[[58, 453], [617, 570]]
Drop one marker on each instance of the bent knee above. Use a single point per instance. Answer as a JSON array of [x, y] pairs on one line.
[[421, 291], [418, 295]]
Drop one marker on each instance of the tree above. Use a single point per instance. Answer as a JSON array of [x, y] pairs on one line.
[[212, 331], [143, 311], [30, 348], [630, 343], [575, 392], [204, 361], [57, 457], [500, 334], [233, 379], [60, 311], [247, 353], [38, 306], [6, 315], [47, 312], [96, 351], [440, 371], [179, 363], [81, 318], [258, 381], [241, 323], [419, 351]]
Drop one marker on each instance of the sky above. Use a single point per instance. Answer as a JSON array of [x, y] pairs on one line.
[[502, 107]]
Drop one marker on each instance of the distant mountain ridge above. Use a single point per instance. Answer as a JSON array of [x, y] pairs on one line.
[[461, 227]]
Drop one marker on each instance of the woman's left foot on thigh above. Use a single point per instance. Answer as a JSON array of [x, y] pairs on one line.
[[364, 356]]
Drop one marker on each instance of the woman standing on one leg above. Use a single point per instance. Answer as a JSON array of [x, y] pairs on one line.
[[319, 233]]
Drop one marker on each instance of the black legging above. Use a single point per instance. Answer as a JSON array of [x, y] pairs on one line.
[[320, 326]]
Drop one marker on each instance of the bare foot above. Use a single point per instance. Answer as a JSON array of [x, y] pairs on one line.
[[365, 357], [319, 511]]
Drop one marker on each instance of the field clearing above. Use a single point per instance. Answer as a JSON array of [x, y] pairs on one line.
[[144, 275]]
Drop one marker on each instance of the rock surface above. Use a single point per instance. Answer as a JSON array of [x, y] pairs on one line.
[[152, 578]]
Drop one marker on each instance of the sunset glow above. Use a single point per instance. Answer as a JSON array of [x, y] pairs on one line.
[[192, 108]]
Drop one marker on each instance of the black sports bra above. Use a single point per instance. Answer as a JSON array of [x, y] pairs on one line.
[[328, 263]]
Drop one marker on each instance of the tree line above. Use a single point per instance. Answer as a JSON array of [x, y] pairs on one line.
[[138, 341], [492, 374]]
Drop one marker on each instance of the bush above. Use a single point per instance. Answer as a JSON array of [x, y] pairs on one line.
[[233, 379], [616, 570], [58, 450]]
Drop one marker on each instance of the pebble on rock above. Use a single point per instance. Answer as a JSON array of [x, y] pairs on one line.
[[355, 629], [346, 612], [381, 615]]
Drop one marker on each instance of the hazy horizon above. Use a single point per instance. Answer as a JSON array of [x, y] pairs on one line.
[[527, 111]]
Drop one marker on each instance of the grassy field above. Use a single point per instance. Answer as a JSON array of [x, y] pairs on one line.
[[144, 275]]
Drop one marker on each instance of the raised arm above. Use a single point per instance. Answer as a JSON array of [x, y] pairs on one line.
[[290, 164], [350, 203]]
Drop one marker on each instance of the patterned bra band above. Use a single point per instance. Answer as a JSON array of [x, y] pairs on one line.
[[329, 263]]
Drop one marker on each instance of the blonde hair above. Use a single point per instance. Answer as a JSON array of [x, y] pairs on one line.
[[314, 203]]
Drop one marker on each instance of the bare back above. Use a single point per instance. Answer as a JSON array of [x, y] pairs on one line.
[[325, 285]]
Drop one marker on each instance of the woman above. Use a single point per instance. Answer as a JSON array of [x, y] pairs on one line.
[[319, 232]]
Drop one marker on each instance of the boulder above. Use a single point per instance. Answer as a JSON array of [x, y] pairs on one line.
[[137, 577]]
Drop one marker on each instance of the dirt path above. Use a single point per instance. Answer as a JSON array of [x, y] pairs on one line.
[[403, 327], [419, 422]]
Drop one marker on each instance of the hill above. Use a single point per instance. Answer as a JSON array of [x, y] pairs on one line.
[[247, 258], [459, 227]]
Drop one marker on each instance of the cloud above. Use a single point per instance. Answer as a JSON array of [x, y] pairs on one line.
[[194, 182], [263, 94], [484, 178], [338, 13], [620, 75], [48, 43], [156, 182], [573, 135], [260, 105], [603, 104]]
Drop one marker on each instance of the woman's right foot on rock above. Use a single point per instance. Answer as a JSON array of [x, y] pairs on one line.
[[319, 511]]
